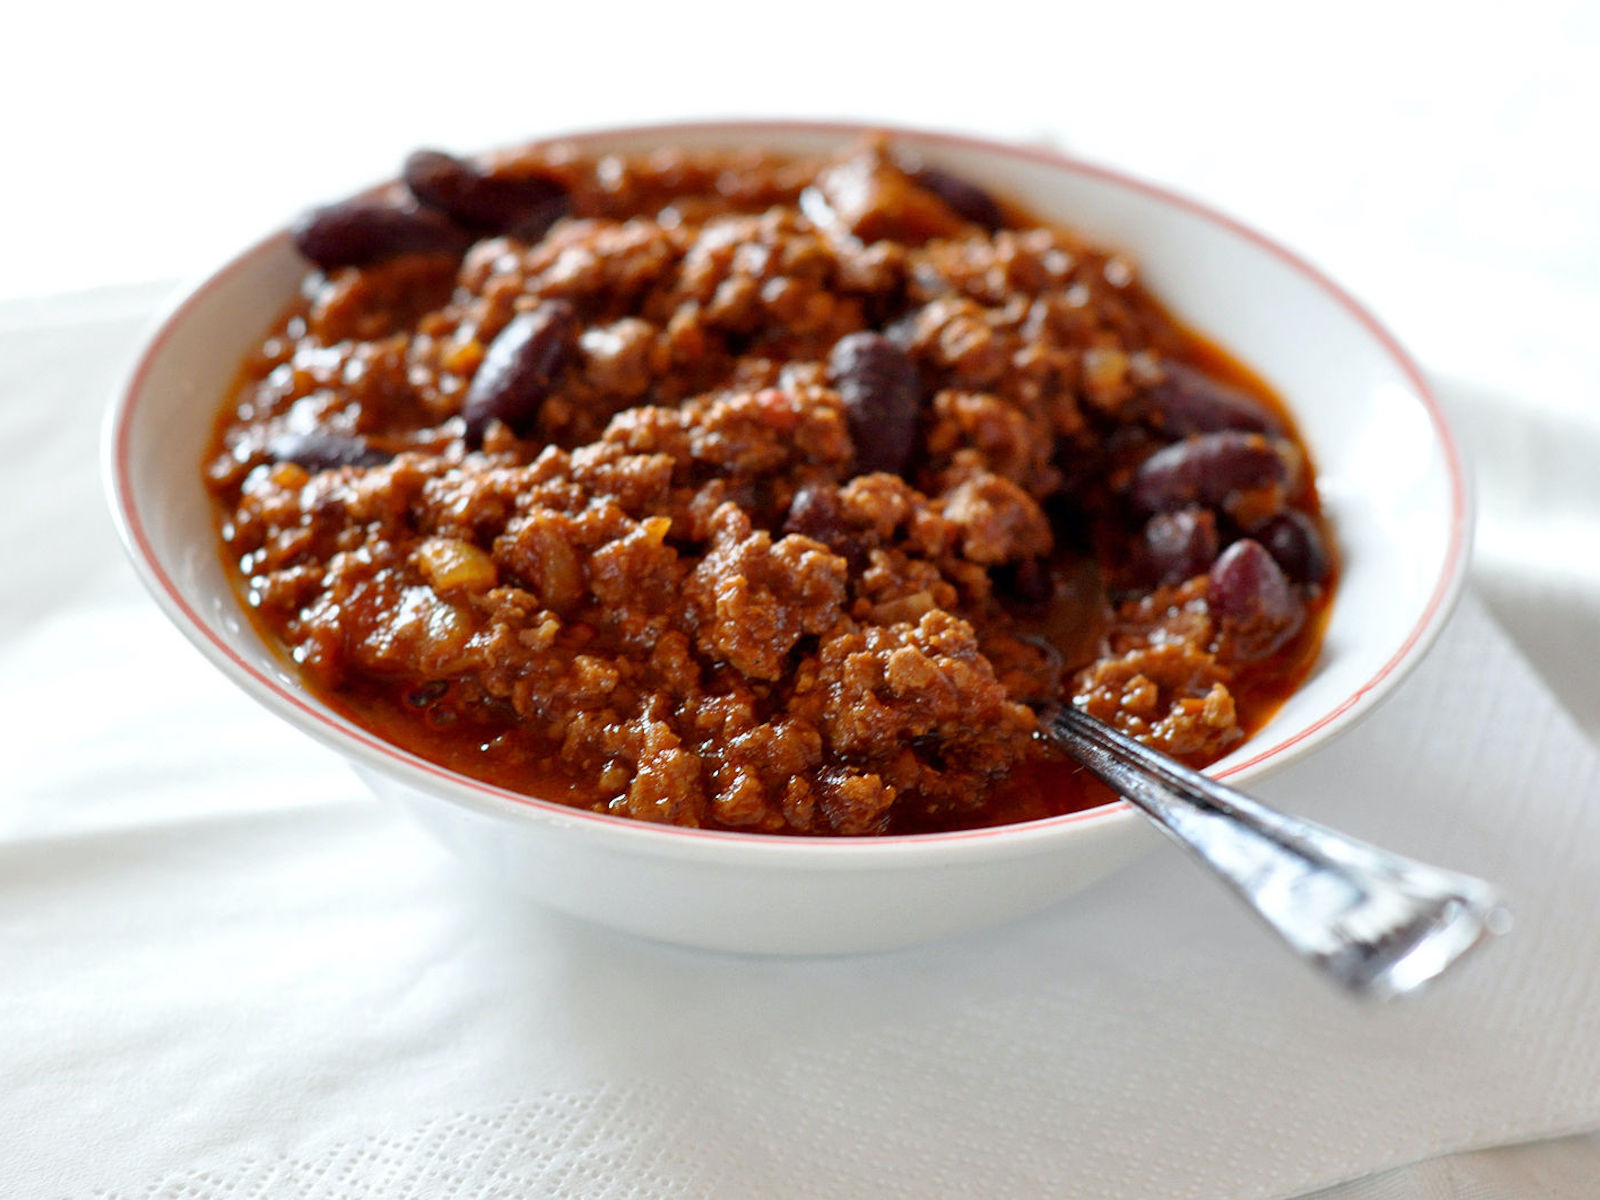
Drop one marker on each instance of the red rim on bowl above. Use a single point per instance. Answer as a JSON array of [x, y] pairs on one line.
[[343, 735]]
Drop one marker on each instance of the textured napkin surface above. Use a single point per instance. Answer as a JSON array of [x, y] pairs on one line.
[[224, 971], [1566, 1167]]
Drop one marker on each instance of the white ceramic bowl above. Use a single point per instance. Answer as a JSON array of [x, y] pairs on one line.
[[1390, 476]]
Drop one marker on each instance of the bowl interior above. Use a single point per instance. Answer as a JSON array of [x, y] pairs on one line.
[[1389, 473]]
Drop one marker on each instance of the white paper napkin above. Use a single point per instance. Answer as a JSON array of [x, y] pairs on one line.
[[225, 972]]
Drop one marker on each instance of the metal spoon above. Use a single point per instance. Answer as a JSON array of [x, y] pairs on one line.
[[1377, 924]]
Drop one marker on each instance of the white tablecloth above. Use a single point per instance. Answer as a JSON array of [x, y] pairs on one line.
[[228, 972]]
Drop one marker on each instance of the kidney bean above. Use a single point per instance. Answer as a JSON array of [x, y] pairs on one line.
[[1293, 539], [966, 200], [519, 369], [1174, 546], [319, 450], [1254, 600], [814, 513], [1187, 401], [485, 204], [353, 233], [1207, 468], [883, 397]]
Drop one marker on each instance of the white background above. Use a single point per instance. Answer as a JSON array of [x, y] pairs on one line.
[[1438, 158]]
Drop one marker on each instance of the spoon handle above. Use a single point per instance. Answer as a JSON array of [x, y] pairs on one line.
[[1378, 924]]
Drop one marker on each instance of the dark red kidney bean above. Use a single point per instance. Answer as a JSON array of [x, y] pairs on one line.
[[1175, 546], [536, 221], [519, 369], [1187, 401], [882, 395], [484, 203], [966, 200], [1293, 539], [354, 233], [1207, 468], [814, 513], [320, 450], [1254, 600]]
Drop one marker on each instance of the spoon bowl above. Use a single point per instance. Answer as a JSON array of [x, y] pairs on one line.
[[1379, 925]]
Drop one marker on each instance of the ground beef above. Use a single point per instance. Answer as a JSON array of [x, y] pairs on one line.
[[580, 510]]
